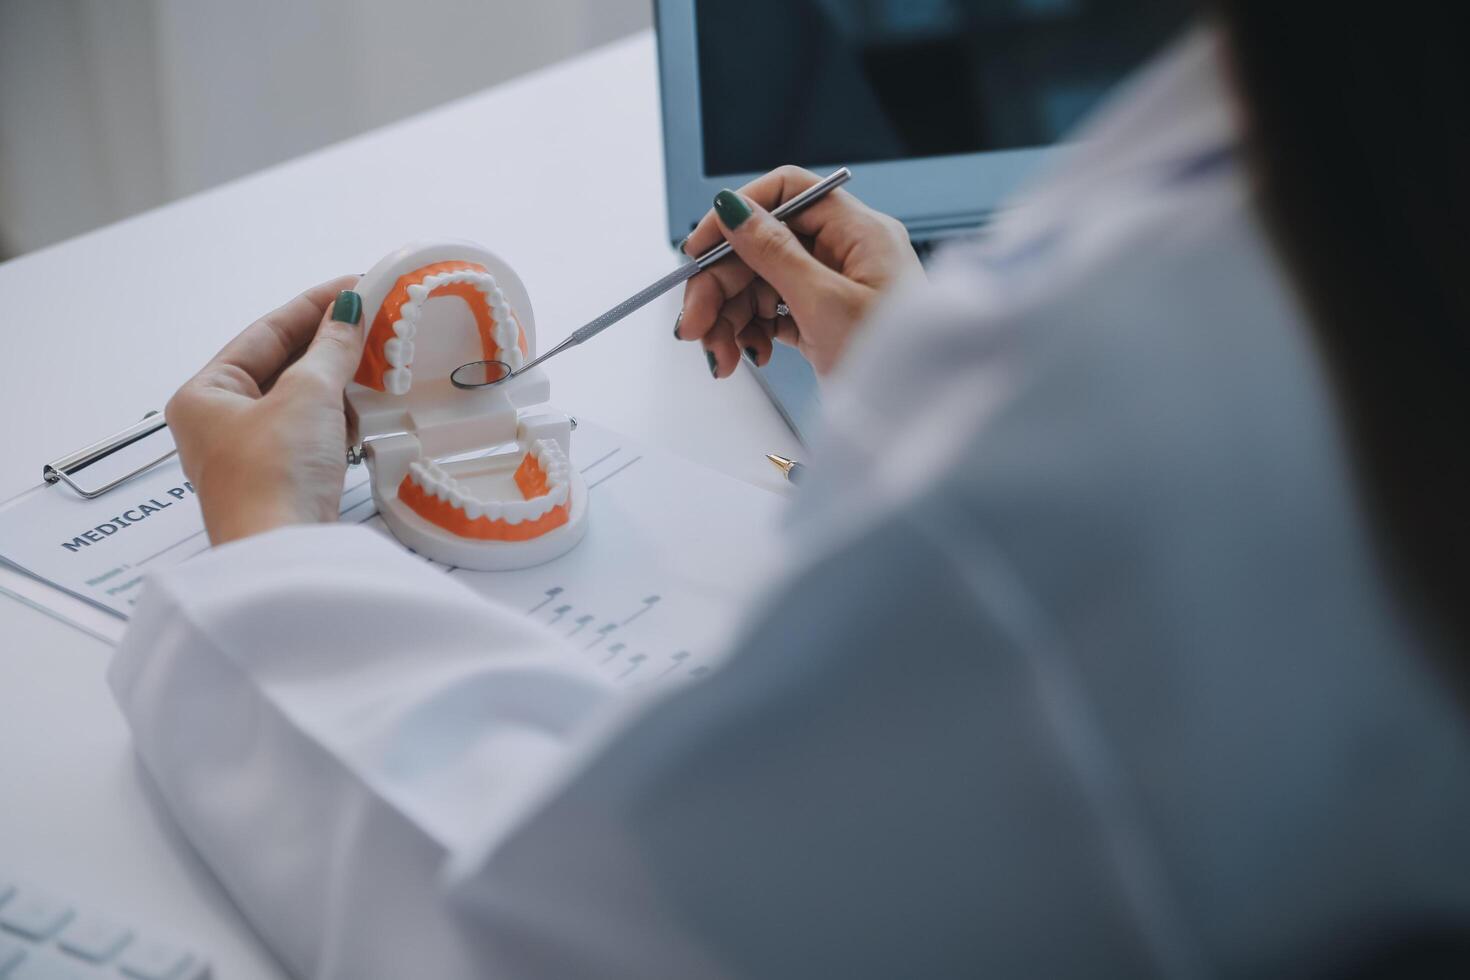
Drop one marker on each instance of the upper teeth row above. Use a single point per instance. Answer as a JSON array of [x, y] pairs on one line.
[[399, 348], [431, 476]]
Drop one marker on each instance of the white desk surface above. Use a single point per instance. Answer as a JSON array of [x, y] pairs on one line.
[[561, 172]]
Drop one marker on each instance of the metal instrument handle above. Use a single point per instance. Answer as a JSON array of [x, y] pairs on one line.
[[639, 299], [686, 271], [790, 209]]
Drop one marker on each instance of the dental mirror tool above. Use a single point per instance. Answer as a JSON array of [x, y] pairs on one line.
[[479, 374]]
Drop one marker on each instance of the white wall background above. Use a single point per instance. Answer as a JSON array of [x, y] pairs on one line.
[[108, 107]]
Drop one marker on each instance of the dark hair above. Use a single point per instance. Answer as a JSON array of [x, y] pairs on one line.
[[1359, 140]]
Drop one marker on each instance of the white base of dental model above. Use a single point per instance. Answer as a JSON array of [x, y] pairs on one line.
[[465, 477]]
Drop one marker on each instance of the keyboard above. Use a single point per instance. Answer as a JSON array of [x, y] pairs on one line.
[[45, 938]]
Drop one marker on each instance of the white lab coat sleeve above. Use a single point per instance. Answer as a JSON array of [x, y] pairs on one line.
[[329, 719]]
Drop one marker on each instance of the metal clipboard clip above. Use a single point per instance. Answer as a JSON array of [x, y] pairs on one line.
[[61, 470]]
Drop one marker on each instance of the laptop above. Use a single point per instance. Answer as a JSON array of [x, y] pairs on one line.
[[940, 107]]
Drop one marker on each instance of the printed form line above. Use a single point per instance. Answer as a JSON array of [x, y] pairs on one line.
[[615, 472], [169, 548], [601, 459]]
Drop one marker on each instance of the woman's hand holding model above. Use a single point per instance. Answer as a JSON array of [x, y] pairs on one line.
[[261, 430], [829, 264]]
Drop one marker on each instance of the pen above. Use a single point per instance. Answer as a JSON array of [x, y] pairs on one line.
[[790, 468]]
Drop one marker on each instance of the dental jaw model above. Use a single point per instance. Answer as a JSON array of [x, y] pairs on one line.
[[476, 478]]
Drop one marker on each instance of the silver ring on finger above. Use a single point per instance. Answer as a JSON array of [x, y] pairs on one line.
[[782, 309]]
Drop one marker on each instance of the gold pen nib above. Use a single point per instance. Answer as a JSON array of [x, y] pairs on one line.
[[781, 462]]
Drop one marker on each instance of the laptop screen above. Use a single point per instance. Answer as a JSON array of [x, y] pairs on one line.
[[871, 80]]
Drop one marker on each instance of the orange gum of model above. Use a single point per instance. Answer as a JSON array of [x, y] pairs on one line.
[[530, 479], [374, 363]]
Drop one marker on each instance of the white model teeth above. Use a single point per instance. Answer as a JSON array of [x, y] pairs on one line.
[[548, 455], [507, 331], [398, 351], [506, 334], [398, 380], [553, 463]]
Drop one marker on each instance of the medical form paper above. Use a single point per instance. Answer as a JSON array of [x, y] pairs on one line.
[[651, 593]]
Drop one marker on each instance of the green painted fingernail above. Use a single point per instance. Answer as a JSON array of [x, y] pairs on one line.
[[731, 208], [714, 365], [677, 320], [348, 308], [753, 354], [684, 244]]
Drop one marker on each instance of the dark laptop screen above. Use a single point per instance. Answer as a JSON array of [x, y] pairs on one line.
[[867, 80]]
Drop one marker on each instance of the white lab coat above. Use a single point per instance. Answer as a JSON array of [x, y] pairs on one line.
[[1087, 668]]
